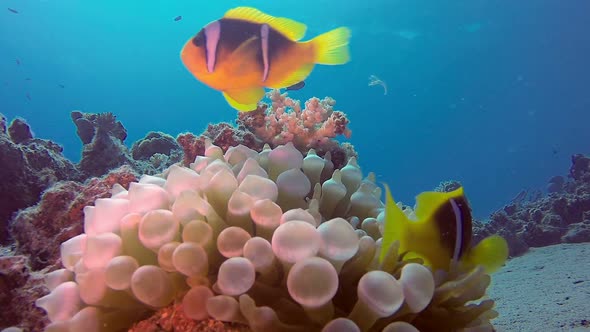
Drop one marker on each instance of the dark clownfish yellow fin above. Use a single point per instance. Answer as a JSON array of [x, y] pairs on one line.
[[294, 78], [291, 29], [244, 100], [331, 48], [427, 203], [395, 226], [241, 59], [491, 253]]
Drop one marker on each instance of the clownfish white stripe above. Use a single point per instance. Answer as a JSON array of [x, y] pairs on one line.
[[212, 34], [264, 31], [459, 229]]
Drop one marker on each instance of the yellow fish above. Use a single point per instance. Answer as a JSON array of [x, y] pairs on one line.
[[441, 234], [247, 50]]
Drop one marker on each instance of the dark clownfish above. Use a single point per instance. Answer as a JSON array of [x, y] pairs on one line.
[[247, 50], [441, 234]]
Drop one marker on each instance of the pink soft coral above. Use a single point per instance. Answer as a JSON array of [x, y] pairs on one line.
[[311, 127]]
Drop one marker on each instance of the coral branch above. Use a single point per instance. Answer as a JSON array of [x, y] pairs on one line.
[[307, 128], [313, 127]]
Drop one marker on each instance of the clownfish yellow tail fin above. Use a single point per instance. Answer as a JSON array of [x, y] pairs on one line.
[[331, 48], [491, 253]]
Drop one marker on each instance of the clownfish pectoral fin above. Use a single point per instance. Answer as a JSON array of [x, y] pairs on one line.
[[331, 48], [240, 60], [294, 78], [491, 253], [291, 29], [244, 100], [395, 226]]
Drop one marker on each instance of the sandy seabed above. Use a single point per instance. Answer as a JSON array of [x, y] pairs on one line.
[[547, 289]]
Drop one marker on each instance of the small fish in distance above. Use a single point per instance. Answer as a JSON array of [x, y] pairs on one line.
[[17, 62], [28, 96], [61, 86], [177, 18], [13, 10]]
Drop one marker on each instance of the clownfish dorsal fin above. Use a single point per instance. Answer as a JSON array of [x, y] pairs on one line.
[[395, 226], [291, 29], [428, 202]]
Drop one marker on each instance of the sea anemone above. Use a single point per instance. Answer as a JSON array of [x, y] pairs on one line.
[[271, 239]]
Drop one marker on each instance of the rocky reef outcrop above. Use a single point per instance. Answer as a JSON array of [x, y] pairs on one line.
[[19, 287], [29, 166], [536, 220]]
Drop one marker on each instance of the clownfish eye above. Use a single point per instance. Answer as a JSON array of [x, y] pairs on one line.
[[199, 39]]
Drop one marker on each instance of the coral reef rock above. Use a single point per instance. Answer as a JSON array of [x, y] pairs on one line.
[[29, 166], [173, 319], [89, 124], [39, 229], [103, 137], [104, 149], [562, 216], [19, 288], [155, 152], [448, 186], [154, 143]]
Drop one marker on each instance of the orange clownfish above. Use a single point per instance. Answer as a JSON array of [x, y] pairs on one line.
[[247, 50]]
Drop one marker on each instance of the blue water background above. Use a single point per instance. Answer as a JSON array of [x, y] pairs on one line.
[[495, 94]]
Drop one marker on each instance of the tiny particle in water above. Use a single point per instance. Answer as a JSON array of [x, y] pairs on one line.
[[13, 10], [177, 18]]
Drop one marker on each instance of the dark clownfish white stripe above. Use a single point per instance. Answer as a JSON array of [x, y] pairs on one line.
[[212, 35], [459, 230], [264, 32]]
